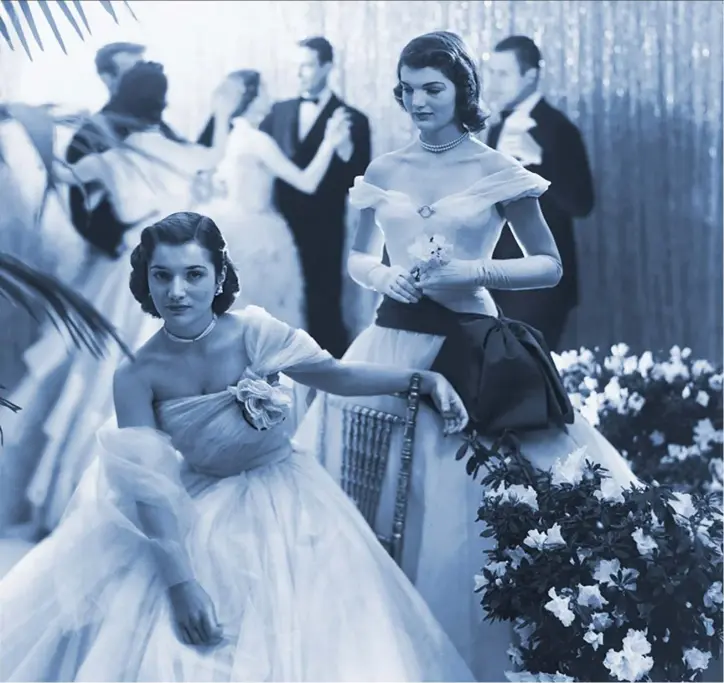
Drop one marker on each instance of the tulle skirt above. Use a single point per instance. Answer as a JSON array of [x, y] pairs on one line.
[[301, 586], [443, 549]]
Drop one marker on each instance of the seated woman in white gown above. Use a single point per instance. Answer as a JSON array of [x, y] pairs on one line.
[[259, 239], [450, 187], [199, 545], [153, 178]]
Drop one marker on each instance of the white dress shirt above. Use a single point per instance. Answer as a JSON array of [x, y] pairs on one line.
[[513, 139], [309, 112]]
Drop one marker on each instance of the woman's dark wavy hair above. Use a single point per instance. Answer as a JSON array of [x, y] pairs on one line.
[[251, 80], [182, 228], [446, 52]]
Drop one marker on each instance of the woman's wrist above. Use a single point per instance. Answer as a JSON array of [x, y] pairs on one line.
[[427, 381]]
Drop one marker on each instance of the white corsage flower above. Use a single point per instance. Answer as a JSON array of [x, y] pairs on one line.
[[428, 252], [265, 405]]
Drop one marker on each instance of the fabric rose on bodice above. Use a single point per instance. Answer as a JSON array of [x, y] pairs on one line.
[[264, 402]]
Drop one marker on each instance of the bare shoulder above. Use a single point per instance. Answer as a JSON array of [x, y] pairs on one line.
[[383, 167], [135, 376]]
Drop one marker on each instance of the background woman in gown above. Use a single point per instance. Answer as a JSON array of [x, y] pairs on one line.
[[155, 177], [259, 239], [447, 184], [199, 545]]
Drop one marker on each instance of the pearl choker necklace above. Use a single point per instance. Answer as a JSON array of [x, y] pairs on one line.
[[198, 337], [438, 149]]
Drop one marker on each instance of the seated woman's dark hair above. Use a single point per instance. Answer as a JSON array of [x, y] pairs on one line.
[[182, 228], [446, 52], [251, 80]]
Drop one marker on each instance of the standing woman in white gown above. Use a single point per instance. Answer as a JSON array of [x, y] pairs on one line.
[[200, 546], [142, 185], [258, 237], [449, 187]]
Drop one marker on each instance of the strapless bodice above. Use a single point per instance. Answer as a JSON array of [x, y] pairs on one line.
[[213, 437], [468, 220]]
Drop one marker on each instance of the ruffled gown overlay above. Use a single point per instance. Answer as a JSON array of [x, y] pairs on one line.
[[66, 394], [301, 586], [443, 550]]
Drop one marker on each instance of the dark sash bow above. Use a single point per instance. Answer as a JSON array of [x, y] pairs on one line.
[[501, 368]]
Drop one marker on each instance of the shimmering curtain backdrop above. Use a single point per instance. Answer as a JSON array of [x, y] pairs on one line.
[[642, 80]]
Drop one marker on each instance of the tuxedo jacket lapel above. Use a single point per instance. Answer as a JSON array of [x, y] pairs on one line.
[[315, 135]]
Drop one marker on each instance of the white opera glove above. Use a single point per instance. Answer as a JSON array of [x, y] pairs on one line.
[[392, 281], [530, 272]]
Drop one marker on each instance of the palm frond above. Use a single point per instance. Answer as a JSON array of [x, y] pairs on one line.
[[12, 26], [45, 296]]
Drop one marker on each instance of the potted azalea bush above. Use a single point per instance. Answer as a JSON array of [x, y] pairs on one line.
[[601, 584], [663, 412]]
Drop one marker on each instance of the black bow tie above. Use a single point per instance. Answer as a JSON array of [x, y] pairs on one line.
[[313, 100]]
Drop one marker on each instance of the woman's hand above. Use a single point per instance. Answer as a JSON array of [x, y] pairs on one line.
[[455, 273], [226, 98], [397, 283], [338, 127], [446, 400], [195, 615]]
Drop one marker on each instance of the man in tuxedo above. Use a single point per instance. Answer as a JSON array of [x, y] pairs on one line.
[[100, 227], [546, 142], [318, 220]]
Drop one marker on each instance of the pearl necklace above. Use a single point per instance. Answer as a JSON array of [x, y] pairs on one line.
[[198, 337], [438, 149]]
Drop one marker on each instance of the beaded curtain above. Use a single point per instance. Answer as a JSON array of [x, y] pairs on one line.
[[641, 79]]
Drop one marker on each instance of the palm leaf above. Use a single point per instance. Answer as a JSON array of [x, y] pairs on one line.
[[45, 296], [25, 7]]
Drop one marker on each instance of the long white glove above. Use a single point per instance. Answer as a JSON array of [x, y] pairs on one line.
[[531, 272], [392, 281]]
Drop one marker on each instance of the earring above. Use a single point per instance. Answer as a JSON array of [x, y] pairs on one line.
[[220, 288]]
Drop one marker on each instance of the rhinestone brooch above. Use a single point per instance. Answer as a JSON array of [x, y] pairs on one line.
[[426, 211]]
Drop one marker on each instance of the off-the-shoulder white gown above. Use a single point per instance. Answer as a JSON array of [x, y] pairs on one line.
[[443, 550]]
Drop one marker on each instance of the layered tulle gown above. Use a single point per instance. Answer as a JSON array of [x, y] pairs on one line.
[[301, 586], [443, 550]]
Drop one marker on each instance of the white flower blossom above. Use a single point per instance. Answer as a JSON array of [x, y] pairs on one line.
[[590, 596], [630, 663], [702, 398], [515, 494], [569, 469], [559, 606], [686, 392], [657, 438], [701, 367], [515, 655], [605, 571], [708, 625], [716, 382], [516, 556], [636, 402], [644, 543], [609, 491], [713, 596], [546, 539], [646, 363], [594, 639], [497, 568], [683, 505], [705, 435], [592, 406], [600, 621], [695, 659], [590, 383], [481, 582]]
